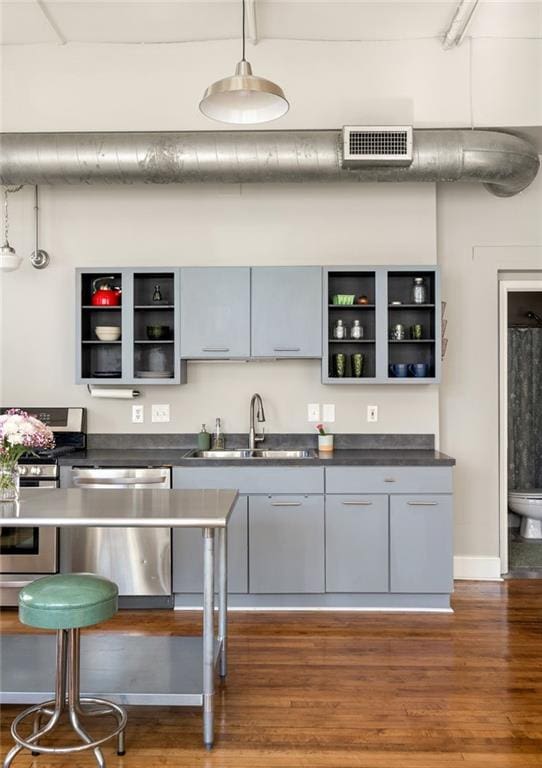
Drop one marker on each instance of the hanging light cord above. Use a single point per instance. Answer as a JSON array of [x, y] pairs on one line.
[[244, 44], [6, 222]]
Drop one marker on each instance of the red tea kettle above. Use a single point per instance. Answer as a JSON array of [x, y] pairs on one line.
[[104, 294]]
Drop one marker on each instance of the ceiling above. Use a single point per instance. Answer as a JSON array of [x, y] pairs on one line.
[[26, 22]]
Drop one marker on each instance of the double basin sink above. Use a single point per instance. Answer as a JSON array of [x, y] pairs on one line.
[[250, 454]]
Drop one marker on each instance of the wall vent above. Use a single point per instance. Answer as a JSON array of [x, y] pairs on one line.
[[377, 145]]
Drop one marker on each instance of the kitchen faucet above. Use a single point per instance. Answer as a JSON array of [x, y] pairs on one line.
[[253, 438]]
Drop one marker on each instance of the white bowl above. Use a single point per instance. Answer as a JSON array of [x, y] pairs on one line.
[[108, 332]]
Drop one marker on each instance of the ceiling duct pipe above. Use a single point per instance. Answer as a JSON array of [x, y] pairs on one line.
[[504, 163]]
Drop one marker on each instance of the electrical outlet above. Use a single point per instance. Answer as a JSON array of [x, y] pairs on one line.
[[313, 412], [372, 413], [328, 412], [138, 414], [160, 413]]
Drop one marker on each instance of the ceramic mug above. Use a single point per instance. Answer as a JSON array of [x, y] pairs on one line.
[[399, 370], [419, 370]]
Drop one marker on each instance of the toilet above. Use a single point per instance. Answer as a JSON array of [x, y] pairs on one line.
[[528, 504]]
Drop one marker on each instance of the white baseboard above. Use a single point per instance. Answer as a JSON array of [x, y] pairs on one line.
[[477, 568]]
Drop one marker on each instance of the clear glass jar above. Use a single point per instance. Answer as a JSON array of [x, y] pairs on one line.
[[356, 331], [9, 482], [339, 330], [419, 291]]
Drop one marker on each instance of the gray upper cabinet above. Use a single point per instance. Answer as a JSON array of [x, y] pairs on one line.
[[145, 348], [390, 325], [286, 544], [357, 543], [421, 536], [215, 312], [287, 312]]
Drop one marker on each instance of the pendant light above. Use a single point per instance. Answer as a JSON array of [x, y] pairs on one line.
[[244, 98], [9, 260]]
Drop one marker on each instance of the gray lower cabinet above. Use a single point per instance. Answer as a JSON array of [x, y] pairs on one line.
[[421, 537], [287, 312], [286, 544], [188, 555], [357, 532], [215, 312]]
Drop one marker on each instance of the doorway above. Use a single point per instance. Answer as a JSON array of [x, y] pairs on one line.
[[520, 422]]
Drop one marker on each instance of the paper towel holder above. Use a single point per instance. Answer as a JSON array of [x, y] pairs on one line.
[[112, 394]]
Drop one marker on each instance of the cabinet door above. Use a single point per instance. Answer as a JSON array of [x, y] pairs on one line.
[[286, 542], [421, 549], [357, 544], [215, 312], [188, 554], [287, 312]]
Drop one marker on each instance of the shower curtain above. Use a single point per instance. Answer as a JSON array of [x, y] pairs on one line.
[[524, 408]]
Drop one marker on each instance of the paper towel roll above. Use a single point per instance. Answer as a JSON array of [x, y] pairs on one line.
[[112, 393]]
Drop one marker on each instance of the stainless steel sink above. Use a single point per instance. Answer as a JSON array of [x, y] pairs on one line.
[[248, 454]]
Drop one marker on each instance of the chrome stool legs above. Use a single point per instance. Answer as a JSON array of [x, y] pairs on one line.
[[67, 696]]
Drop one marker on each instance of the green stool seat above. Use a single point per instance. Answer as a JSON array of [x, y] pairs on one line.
[[68, 601]]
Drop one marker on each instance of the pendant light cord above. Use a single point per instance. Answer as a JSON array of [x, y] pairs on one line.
[[243, 4]]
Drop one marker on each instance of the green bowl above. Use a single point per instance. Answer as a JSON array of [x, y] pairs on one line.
[[157, 332], [344, 299]]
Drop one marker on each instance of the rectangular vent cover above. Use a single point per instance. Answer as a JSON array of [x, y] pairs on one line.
[[377, 145]]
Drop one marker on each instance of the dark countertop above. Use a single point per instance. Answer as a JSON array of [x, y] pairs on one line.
[[157, 457]]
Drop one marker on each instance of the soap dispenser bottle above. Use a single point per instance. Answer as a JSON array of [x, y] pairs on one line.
[[218, 437], [204, 439]]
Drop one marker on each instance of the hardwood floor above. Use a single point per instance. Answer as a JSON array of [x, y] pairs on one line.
[[353, 690]]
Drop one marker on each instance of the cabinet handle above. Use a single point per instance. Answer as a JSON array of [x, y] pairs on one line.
[[286, 349], [357, 503], [285, 503], [215, 349], [423, 503], [390, 480]]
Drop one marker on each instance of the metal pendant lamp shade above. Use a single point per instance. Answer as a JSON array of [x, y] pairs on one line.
[[244, 98]]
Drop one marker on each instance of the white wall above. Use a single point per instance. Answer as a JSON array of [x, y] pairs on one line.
[[329, 84], [289, 224]]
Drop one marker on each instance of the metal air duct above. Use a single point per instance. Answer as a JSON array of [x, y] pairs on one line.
[[504, 163]]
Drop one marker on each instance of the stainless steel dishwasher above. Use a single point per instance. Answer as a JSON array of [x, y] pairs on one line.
[[138, 560]]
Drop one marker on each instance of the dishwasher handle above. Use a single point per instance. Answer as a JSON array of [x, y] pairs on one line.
[[115, 482]]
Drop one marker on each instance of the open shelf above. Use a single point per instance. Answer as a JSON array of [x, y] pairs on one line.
[[351, 306], [154, 341], [351, 341]]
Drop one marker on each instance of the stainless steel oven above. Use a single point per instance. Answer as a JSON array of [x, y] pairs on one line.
[[28, 553]]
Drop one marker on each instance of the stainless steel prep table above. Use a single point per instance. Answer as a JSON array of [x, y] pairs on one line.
[[129, 668]]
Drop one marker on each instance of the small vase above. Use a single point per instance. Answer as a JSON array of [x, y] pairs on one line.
[[9, 483], [325, 442]]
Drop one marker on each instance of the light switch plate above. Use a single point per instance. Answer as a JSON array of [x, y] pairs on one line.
[[328, 412], [372, 413], [313, 412], [160, 413], [138, 414]]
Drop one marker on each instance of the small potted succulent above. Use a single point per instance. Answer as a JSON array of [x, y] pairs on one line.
[[325, 441], [19, 433]]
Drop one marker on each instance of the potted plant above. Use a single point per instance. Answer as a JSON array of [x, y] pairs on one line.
[[325, 441], [19, 433]]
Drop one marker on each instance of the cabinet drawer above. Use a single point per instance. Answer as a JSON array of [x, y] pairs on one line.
[[388, 480], [357, 544], [421, 544], [286, 544], [252, 479]]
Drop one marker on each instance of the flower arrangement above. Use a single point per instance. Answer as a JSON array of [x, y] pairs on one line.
[[321, 429], [19, 433]]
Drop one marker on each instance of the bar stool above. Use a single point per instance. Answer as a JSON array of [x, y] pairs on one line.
[[67, 602]]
